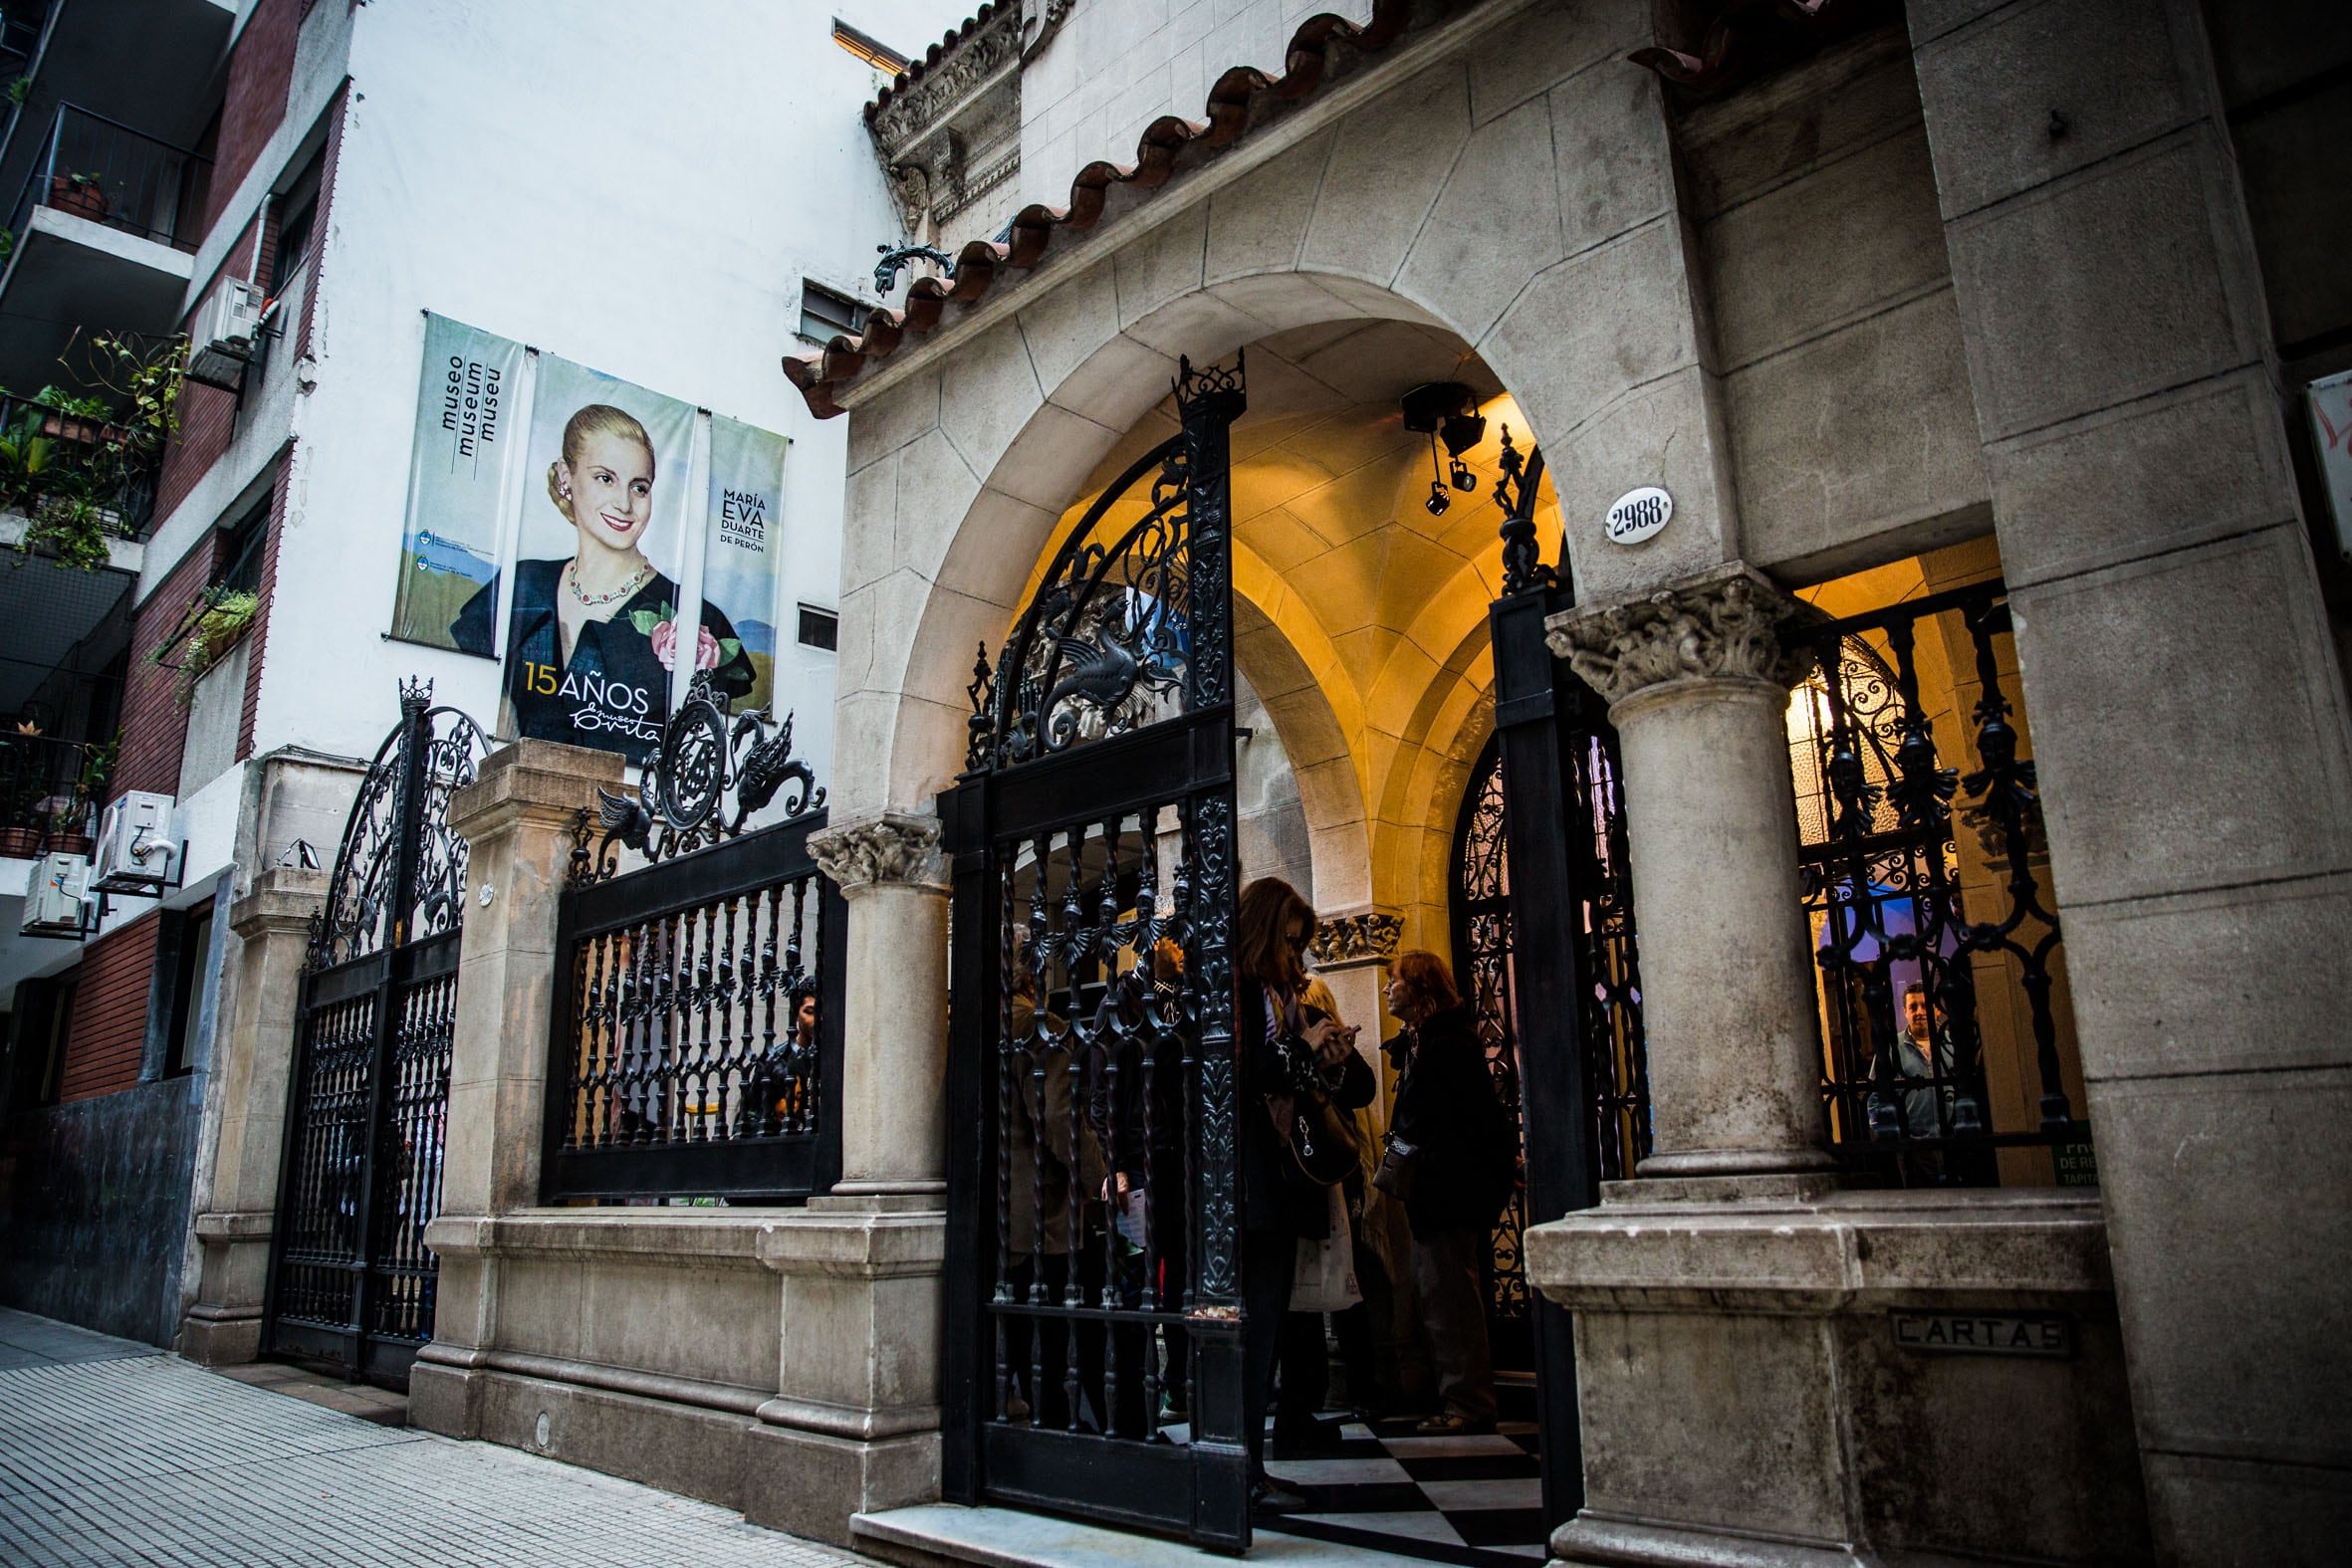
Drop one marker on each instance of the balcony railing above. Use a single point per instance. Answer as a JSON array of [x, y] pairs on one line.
[[48, 457], [20, 33], [100, 170], [39, 776]]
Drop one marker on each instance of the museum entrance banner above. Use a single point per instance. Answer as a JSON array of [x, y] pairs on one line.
[[459, 467], [743, 547], [555, 513]]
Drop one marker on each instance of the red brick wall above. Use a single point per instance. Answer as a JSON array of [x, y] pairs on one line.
[[208, 414], [328, 159], [110, 1029], [260, 635], [261, 71], [155, 724]]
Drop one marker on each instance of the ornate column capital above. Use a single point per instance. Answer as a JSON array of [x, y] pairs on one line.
[[1356, 938], [887, 850], [1722, 625]]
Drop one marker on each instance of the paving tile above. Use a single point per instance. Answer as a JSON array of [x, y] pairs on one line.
[[147, 1459]]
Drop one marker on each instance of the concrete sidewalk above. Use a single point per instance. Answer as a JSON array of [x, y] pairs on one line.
[[113, 1452]]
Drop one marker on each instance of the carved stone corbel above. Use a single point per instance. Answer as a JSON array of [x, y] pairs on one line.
[[1723, 625], [1357, 938], [887, 850]]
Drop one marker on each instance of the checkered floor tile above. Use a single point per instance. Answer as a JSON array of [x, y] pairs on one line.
[[1471, 1500]]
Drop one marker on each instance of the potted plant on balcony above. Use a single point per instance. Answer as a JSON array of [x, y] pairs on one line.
[[82, 194], [68, 831], [226, 615], [20, 790], [84, 422], [72, 527], [79, 466]]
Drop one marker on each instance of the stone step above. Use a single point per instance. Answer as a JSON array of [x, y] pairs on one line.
[[948, 1535]]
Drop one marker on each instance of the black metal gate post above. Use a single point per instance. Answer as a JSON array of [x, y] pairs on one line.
[[1093, 1214], [1568, 885], [408, 813], [1222, 1501], [1563, 1174], [973, 1000]]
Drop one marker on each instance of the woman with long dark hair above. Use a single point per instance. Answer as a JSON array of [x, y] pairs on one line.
[[1289, 1054]]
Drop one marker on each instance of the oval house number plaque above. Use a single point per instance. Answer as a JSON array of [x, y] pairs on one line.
[[1638, 514]]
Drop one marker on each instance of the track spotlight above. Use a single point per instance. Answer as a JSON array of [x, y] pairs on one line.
[[1444, 412]]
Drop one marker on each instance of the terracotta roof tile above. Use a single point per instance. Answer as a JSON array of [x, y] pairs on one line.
[[1233, 106], [931, 57]]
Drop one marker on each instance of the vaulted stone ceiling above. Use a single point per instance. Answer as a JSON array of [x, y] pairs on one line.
[[1364, 616]]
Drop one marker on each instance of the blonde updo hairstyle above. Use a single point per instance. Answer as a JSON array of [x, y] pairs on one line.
[[595, 419]]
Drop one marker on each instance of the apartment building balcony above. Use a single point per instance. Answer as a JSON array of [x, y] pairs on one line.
[[101, 235], [147, 62]]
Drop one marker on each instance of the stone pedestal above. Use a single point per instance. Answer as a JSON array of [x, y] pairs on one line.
[[515, 818], [855, 1423], [1698, 689], [895, 1025], [1787, 1373], [272, 922]]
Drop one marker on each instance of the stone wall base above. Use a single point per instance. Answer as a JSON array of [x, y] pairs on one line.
[[224, 1339], [1793, 1376], [811, 1483], [786, 1480]]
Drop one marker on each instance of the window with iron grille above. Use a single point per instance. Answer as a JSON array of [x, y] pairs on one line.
[[1947, 1035], [298, 222], [237, 568]]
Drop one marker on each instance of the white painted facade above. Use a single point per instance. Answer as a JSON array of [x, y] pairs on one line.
[[643, 199]]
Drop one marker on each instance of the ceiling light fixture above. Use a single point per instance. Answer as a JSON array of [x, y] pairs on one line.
[[1444, 412]]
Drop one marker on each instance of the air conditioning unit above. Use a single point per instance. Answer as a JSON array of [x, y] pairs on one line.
[[57, 900], [227, 328], [136, 850]]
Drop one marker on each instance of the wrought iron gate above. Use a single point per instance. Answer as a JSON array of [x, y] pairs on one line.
[[694, 1043], [1560, 936], [1095, 1359], [350, 1279]]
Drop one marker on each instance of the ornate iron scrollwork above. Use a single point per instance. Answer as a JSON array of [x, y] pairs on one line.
[[1108, 621], [1516, 493], [1883, 880], [980, 729], [1110, 639], [399, 875], [683, 796]]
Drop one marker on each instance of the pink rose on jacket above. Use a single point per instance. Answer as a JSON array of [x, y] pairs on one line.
[[664, 638]]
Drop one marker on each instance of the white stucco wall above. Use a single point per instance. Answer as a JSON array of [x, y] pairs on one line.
[[641, 198]]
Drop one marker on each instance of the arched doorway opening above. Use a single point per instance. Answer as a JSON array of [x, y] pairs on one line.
[[1360, 613]]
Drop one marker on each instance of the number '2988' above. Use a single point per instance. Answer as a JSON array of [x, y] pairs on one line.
[[1637, 514]]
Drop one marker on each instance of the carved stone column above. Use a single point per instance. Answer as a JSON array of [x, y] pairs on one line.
[[516, 820], [1697, 687], [272, 922], [894, 1029]]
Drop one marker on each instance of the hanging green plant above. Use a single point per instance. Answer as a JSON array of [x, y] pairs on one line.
[[212, 630], [76, 463], [73, 529]]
